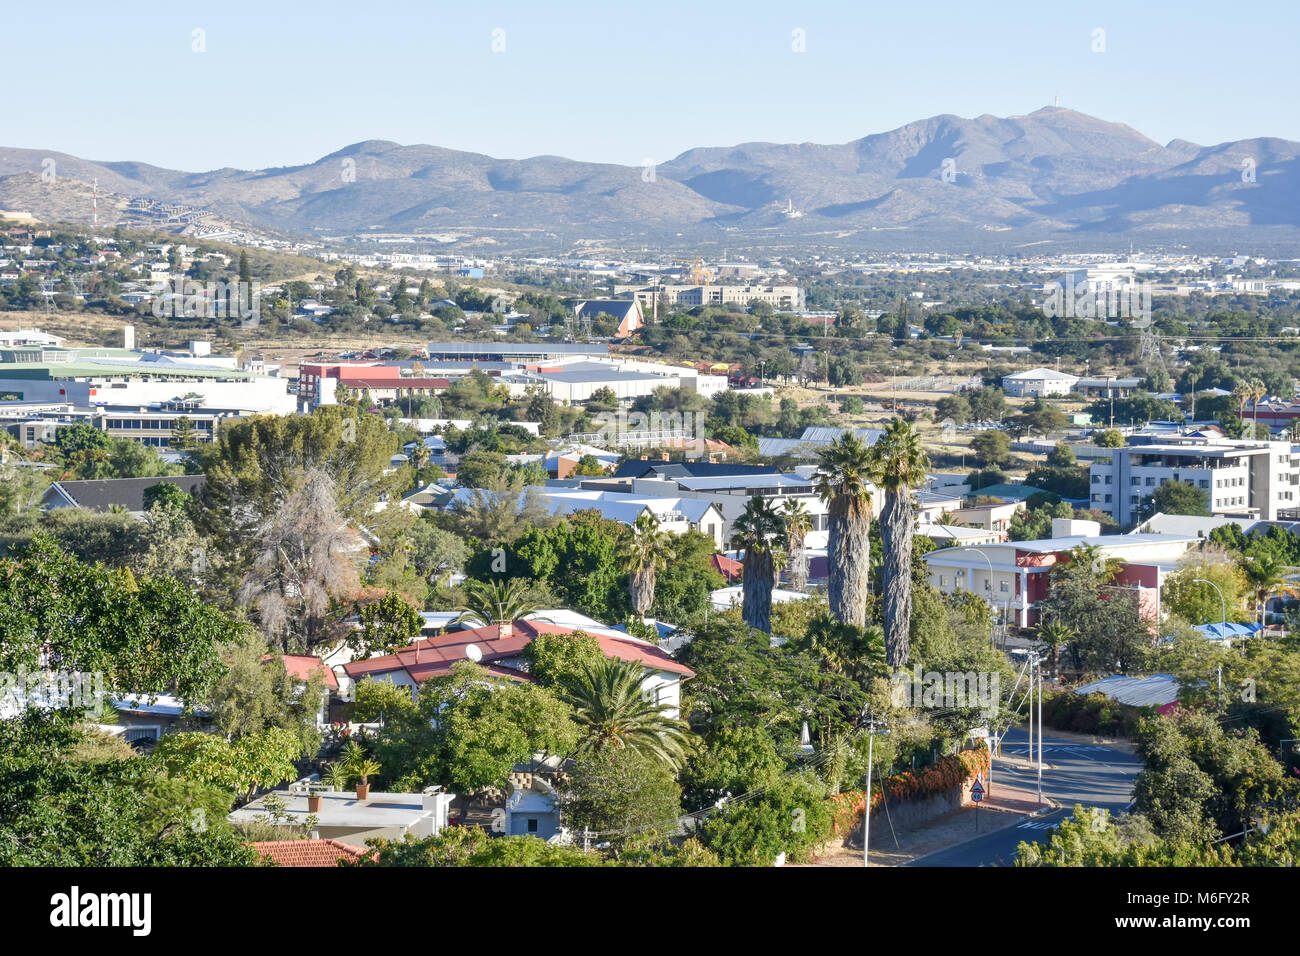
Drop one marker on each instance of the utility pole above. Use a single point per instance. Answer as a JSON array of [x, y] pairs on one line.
[[866, 809], [1039, 667]]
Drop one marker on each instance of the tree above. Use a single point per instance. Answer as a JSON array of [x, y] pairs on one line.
[[843, 482], [498, 601], [1186, 596], [385, 625], [469, 729], [992, 449], [167, 495], [649, 550], [255, 761], [1268, 574], [798, 522], [611, 712], [1108, 438], [622, 794], [481, 469], [756, 531], [256, 693], [1176, 498], [58, 808], [182, 438], [898, 465], [307, 569], [558, 659], [146, 636]]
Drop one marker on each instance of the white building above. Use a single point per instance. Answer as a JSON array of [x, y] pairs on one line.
[[1038, 383], [1238, 477]]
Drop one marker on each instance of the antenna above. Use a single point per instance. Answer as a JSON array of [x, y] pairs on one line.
[[1058, 100], [94, 203]]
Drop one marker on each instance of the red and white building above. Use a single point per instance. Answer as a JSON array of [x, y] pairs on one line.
[[1015, 576]]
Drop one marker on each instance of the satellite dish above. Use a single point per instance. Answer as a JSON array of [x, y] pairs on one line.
[[473, 653]]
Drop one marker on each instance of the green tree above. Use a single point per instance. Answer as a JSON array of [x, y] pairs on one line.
[[992, 449], [622, 794], [385, 625], [611, 713], [1176, 498]]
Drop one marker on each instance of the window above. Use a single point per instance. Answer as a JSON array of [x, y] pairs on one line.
[[1151, 482], [943, 580], [532, 824], [1003, 587]]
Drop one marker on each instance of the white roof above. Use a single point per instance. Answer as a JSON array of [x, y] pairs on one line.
[[342, 809], [1042, 373], [725, 598]]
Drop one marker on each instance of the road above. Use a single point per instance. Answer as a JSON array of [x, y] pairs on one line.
[[1092, 775]]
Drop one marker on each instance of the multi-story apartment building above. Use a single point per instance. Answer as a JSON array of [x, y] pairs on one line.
[[1239, 477], [789, 298]]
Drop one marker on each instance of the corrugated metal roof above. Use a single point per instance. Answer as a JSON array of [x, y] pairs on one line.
[[1154, 691]]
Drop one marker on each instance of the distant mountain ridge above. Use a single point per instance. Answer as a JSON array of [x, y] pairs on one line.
[[1054, 174]]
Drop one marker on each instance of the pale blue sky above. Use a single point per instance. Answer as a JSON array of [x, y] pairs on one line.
[[616, 82]]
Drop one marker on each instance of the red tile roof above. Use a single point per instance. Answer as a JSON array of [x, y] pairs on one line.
[[309, 852], [304, 667], [435, 655]]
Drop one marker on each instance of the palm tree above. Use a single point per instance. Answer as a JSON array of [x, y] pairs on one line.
[[1268, 575], [798, 522], [757, 531], [498, 601], [898, 464], [1055, 634], [611, 711], [419, 456], [650, 549], [843, 484], [1090, 556], [1257, 390]]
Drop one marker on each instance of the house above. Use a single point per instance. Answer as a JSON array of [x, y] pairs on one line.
[[499, 649], [107, 493], [309, 852], [344, 817], [949, 535], [530, 808], [142, 719], [724, 599], [1158, 690]]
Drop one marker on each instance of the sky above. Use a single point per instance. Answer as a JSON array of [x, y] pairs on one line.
[[257, 84]]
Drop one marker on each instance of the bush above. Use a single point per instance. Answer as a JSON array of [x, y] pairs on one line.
[[1091, 714]]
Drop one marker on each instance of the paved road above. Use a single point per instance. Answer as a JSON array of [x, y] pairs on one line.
[[1092, 775]]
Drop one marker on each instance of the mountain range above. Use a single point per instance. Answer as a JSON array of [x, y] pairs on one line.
[[1054, 175]]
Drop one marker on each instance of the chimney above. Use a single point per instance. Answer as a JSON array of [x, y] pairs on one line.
[[505, 629], [664, 456]]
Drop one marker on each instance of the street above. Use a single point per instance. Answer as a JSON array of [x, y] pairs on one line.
[[1089, 774]]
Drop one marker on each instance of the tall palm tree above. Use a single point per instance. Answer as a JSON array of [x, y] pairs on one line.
[[842, 483], [611, 711], [498, 601], [898, 465], [798, 522], [758, 531], [649, 550], [1257, 390], [419, 456]]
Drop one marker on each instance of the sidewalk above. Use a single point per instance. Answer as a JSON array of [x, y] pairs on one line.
[[1006, 806]]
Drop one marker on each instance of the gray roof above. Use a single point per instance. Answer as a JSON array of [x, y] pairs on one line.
[[825, 434], [1154, 691], [126, 492], [513, 348], [614, 308]]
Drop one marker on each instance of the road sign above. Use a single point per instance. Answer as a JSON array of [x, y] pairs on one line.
[[977, 791]]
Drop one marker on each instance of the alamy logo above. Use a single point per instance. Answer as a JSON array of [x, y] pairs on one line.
[[188, 299], [1067, 299], [947, 690], [53, 689], [72, 909]]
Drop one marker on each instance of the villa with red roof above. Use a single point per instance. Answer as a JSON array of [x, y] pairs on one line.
[[499, 649]]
